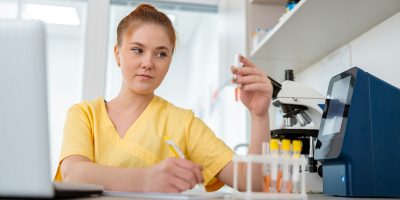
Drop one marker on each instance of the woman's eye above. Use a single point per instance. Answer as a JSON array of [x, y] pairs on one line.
[[161, 54], [137, 50]]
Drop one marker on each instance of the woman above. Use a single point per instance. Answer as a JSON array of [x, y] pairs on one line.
[[119, 144]]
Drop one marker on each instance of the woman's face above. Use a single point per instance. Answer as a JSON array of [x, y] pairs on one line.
[[144, 57]]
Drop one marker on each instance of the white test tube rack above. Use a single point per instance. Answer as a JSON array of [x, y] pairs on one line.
[[267, 160]]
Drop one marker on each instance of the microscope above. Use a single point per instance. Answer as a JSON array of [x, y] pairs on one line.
[[301, 108]]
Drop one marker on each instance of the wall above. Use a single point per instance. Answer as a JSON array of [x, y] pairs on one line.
[[232, 34], [64, 75], [215, 103], [376, 51]]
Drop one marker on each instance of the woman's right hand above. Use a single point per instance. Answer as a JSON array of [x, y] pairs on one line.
[[172, 175]]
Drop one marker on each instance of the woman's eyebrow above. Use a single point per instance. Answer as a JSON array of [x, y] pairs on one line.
[[162, 48], [142, 45], [137, 43]]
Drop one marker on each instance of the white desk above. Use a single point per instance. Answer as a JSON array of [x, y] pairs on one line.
[[310, 197]]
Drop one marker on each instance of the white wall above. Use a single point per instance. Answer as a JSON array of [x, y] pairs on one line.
[[232, 34], [204, 65], [222, 114], [64, 75], [376, 51]]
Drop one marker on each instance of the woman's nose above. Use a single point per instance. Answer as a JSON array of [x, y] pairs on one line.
[[147, 67], [147, 63]]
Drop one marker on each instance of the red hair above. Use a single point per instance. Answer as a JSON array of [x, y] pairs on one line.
[[145, 13]]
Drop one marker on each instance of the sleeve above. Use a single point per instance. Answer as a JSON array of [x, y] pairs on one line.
[[78, 137], [205, 149]]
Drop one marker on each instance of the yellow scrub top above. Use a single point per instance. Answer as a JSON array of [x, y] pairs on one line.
[[90, 132]]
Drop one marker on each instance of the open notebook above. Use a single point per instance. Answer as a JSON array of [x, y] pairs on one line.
[[177, 196], [198, 192]]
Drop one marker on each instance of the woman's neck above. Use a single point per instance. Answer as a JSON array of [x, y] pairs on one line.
[[130, 101]]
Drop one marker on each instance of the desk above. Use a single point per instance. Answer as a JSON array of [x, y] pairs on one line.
[[310, 197]]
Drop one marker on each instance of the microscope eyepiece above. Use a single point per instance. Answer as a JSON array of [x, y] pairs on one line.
[[289, 75]]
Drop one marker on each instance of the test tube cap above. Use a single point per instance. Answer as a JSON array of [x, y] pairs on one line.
[[297, 144], [286, 145], [274, 144], [236, 61]]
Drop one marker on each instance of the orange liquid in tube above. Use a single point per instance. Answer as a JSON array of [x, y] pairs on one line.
[[266, 168], [274, 166]]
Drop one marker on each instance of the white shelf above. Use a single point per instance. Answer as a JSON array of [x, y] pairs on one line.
[[314, 28], [270, 2]]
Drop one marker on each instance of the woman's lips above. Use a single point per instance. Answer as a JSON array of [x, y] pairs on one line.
[[145, 76]]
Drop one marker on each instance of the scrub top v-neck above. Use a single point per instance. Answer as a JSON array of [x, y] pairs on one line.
[[89, 132]]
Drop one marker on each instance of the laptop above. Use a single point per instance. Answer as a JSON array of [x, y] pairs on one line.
[[24, 133]]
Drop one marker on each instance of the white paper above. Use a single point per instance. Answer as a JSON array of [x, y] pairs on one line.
[[177, 196]]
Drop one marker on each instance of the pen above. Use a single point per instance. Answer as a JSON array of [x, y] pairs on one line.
[[174, 148], [179, 154]]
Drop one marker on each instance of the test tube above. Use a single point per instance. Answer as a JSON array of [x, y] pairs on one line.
[[286, 185], [266, 171], [236, 63], [297, 145], [274, 150]]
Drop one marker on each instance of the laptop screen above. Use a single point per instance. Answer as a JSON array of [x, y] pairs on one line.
[[24, 143]]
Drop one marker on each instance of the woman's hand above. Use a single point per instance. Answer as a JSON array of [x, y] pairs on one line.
[[172, 175], [255, 87]]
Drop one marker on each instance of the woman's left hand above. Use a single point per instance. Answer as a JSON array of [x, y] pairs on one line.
[[255, 87]]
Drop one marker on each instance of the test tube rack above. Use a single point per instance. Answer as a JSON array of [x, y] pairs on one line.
[[267, 160]]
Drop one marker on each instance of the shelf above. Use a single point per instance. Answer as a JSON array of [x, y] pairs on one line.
[[270, 2], [315, 28]]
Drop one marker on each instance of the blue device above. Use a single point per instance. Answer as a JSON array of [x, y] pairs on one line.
[[359, 138]]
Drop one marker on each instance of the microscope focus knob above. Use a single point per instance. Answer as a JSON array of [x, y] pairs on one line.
[[312, 165]]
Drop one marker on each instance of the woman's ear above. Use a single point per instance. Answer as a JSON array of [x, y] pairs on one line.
[[116, 55]]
